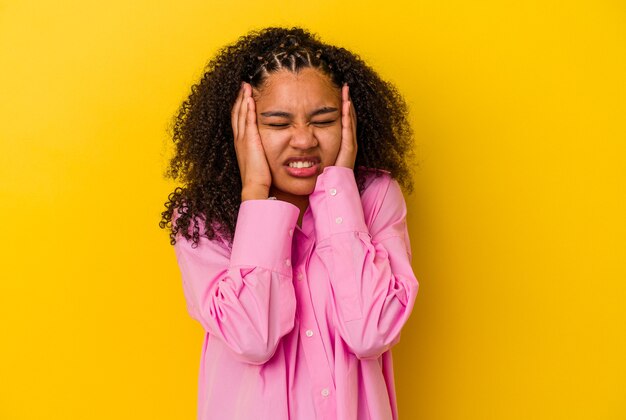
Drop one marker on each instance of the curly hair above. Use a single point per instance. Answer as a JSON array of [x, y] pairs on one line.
[[205, 163]]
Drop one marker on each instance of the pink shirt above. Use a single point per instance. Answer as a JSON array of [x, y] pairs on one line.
[[300, 321]]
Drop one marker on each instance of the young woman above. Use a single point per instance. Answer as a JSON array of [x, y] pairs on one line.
[[290, 232]]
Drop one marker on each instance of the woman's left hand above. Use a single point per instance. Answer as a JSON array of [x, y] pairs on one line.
[[348, 148]]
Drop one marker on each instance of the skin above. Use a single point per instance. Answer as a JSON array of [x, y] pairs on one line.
[[293, 115]]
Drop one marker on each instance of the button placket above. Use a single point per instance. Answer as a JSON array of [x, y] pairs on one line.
[[312, 344]]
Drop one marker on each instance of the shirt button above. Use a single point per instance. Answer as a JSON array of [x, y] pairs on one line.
[[333, 191], [338, 220], [288, 262], [290, 232], [309, 333], [325, 392], [300, 276]]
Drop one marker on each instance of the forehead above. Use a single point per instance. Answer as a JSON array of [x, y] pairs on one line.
[[307, 87]]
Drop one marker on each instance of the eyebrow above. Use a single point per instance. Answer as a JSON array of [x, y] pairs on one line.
[[320, 111]]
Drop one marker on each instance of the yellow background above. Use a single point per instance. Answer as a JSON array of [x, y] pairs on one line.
[[517, 222]]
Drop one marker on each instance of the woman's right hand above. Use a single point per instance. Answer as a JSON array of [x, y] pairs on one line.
[[256, 178]]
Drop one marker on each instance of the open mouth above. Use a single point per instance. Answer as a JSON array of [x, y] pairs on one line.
[[303, 167], [301, 164]]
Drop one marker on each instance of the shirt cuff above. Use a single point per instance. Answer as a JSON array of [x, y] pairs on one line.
[[336, 203], [263, 235]]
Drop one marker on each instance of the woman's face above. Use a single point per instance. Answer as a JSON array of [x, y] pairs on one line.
[[299, 120]]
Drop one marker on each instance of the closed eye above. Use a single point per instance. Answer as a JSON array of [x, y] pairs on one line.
[[323, 123], [276, 125]]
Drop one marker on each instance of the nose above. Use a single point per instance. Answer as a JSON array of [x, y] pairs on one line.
[[302, 137]]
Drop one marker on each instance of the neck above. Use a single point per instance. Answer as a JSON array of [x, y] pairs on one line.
[[300, 201]]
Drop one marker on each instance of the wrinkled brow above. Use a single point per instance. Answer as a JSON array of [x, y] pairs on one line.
[[283, 114]]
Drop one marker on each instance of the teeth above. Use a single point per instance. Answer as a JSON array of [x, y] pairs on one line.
[[300, 164]]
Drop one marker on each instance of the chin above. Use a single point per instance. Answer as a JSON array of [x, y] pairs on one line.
[[302, 190], [300, 187]]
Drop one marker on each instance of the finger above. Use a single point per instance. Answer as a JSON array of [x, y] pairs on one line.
[[345, 95], [352, 120], [235, 109], [235, 112], [251, 128], [348, 134], [347, 103], [251, 116], [243, 111], [346, 119], [344, 100], [352, 111], [353, 117]]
